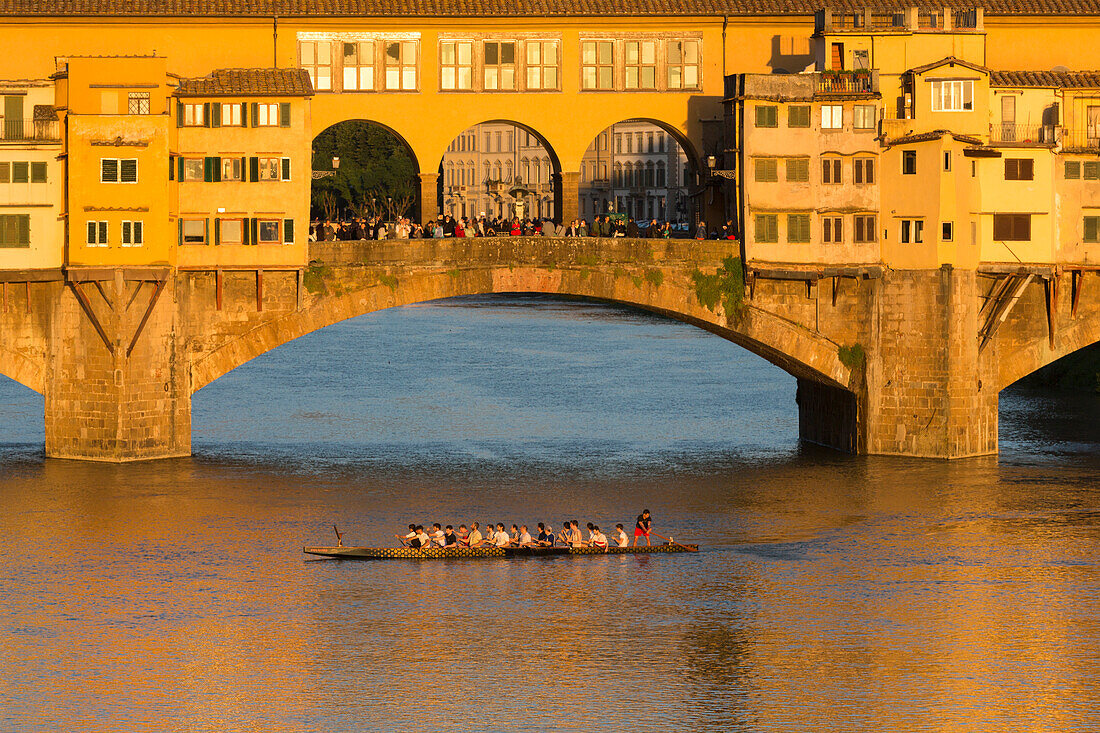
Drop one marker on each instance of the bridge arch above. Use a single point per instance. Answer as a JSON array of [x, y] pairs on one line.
[[22, 369], [792, 347], [1037, 353]]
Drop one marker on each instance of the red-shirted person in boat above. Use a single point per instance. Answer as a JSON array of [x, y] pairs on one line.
[[641, 527]]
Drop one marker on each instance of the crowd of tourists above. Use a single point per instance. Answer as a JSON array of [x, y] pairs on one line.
[[449, 227], [496, 535]]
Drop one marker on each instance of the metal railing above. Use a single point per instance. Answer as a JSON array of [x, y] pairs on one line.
[[1021, 134], [1087, 139], [29, 130]]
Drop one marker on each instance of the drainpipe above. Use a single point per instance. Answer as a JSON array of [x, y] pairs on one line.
[[275, 41]]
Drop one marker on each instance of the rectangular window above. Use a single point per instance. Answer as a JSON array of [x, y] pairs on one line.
[[230, 231], [909, 162], [864, 228], [193, 231], [1090, 170], [683, 64], [947, 160], [133, 234], [767, 115], [863, 171], [269, 169], [830, 170], [456, 65], [316, 58], [1019, 169], [542, 64], [864, 117], [266, 115], [500, 65], [193, 115], [1012, 227], [798, 115], [232, 169], [1073, 169], [832, 229], [596, 68], [953, 95], [358, 73], [231, 115], [766, 170], [767, 228], [15, 230], [832, 117], [38, 171], [947, 233], [798, 170], [798, 228], [137, 103], [20, 171], [5, 172], [97, 234], [640, 64], [1092, 229], [194, 169], [401, 65], [912, 231], [269, 232], [118, 170]]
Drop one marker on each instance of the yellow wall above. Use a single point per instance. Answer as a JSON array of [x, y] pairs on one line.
[[1001, 196]]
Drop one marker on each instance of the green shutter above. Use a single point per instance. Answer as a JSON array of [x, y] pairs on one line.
[[217, 231], [253, 169], [23, 223], [253, 235], [206, 230], [179, 234], [179, 113], [284, 114], [215, 114], [255, 112], [244, 114], [206, 114], [171, 167], [288, 230], [1092, 228], [217, 169], [179, 163], [286, 169], [207, 170]]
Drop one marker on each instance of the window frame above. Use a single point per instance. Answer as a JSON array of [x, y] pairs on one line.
[[453, 70], [540, 65], [13, 229], [833, 114], [407, 71], [864, 108], [183, 222], [801, 219], [597, 66], [140, 98], [639, 66], [132, 233], [1019, 169], [500, 67], [863, 170], [908, 156], [261, 223], [193, 115], [363, 65], [770, 233], [765, 170], [1095, 223], [864, 229], [832, 229], [762, 113], [960, 90], [912, 231], [1015, 223], [314, 66], [677, 61], [97, 233], [805, 109], [832, 170], [802, 170], [242, 222], [120, 174]]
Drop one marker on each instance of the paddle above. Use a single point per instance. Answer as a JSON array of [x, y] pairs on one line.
[[673, 542], [408, 546], [339, 537]]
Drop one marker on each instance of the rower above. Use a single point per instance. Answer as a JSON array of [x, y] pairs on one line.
[[475, 539], [525, 537], [563, 536], [421, 540], [437, 534], [501, 539], [408, 538], [546, 535], [620, 537], [463, 536], [450, 539], [598, 540], [641, 527], [575, 538], [514, 537]]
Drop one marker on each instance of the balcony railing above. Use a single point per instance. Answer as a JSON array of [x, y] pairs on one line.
[[1020, 134], [29, 131], [846, 83], [1087, 139]]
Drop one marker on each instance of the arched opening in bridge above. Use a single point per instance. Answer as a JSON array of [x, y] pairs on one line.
[[643, 170], [362, 171], [21, 411], [499, 170]]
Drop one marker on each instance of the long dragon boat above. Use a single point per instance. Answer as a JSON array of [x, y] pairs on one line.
[[443, 553]]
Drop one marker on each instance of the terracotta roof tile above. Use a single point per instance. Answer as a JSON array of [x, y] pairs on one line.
[[1051, 79], [483, 8], [248, 82]]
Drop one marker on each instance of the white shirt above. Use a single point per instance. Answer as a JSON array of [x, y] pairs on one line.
[[438, 537], [621, 539], [424, 539], [525, 538], [599, 539], [500, 539]]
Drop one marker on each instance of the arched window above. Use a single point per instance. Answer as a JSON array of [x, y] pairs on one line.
[[525, 170], [628, 174], [508, 171], [548, 172], [649, 173], [618, 174], [660, 174], [497, 175], [471, 171], [488, 171], [449, 177]]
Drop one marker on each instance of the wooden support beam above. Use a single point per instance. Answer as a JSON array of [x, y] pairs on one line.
[[28, 290], [87, 306], [135, 295], [102, 292], [1001, 311], [145, 318], [1078, 286], [1050, 287], [259, 290], [836, 287], [5, 286], [298, 289], [218, 288]]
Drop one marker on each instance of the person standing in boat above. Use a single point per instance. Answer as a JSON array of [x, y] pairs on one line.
[[642, 526], [621, 540]]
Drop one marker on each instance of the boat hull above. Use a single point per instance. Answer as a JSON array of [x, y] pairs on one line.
[[467, 553]]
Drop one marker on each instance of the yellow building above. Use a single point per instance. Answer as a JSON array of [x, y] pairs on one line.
[[31, 177]]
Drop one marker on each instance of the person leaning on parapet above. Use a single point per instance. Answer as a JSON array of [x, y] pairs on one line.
[[582, 228], [701, 230], [632, 229]]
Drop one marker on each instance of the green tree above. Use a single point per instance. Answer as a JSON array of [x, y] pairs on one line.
[[375, 168]]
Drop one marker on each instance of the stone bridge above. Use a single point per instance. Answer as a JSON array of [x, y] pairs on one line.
[[898, 362]]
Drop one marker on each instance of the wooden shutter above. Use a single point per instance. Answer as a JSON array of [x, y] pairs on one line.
[[244, 114], [179, 164], [255, 113], [253, 234], [206, 230], [207, 167], [206, 114], [179, 233], [179, 113], [217, 166], [253, 169], [217, 231], [284, 114], [23, 229], [1027, 169], [286, 169], [288, 230], [215, 114], [171, 168]]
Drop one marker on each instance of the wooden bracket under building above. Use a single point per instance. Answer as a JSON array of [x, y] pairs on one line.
[[87, 306], [259, 290], [103, 293], [1078, 285], [1003, 305], [1050, 286], [836, 287], [218, 288], [134, 296], [145, 318]]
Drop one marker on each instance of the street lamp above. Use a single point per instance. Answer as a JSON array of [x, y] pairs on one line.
[[335, 163]]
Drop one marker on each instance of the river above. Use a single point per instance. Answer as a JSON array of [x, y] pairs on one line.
[[833, 592]]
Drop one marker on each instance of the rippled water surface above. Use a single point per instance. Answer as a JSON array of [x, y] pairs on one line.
[[833, 592]]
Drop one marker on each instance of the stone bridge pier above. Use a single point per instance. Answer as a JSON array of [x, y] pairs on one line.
[[892, 362]]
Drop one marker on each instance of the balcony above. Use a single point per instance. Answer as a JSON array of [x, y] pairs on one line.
[[903, 19], [1087, 140], [1009, 133], [29, 131], [846, 82]]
